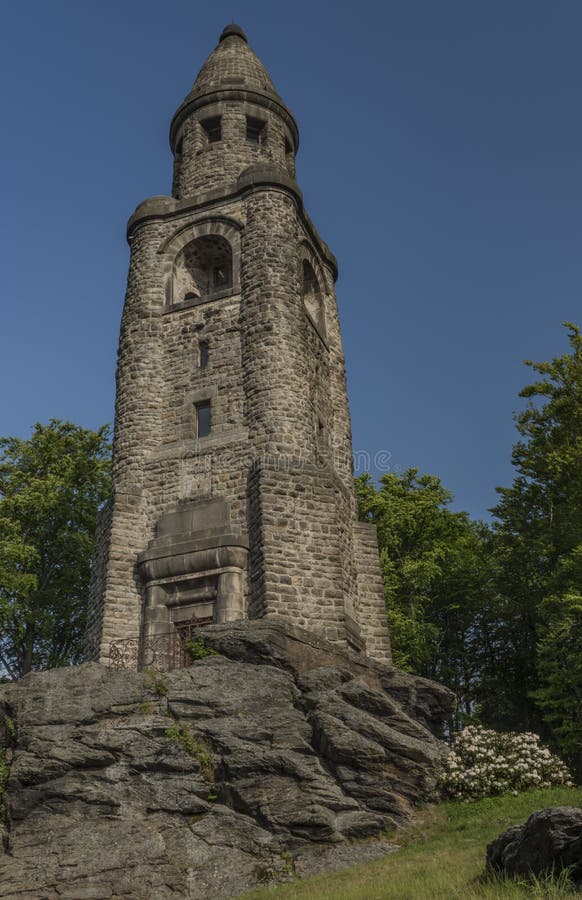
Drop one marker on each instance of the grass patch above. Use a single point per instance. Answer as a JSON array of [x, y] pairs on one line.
[[10, 727], [193, 747], [441, 856], [156, 683], [198, 649]]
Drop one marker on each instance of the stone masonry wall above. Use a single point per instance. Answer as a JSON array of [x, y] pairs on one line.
[[341, 429], [158, 460], [277, 389], [279, 451], [274, 361], [138, 408], [296, 566], [372, 606], [203, 166]]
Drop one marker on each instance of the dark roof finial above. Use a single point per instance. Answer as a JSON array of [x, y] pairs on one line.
[[233, 30]]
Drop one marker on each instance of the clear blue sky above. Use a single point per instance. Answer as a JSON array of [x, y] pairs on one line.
[[441, 159]]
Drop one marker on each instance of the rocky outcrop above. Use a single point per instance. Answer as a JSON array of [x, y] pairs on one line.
[[550, 840], [273, 755]]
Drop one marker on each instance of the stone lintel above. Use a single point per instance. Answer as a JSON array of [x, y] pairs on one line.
[[194, 557]]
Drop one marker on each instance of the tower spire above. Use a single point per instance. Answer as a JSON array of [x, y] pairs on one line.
[[233, 30], [233, 107]]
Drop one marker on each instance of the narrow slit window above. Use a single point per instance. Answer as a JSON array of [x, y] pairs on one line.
[[203, 351], [256, 130], [203, 419], [212, 129], [289, 155]]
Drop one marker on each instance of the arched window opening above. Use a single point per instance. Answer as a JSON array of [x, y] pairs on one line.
[[312, 298], [203, 270]]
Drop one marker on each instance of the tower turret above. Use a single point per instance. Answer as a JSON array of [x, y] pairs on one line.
[[232, 118], [232, 471]]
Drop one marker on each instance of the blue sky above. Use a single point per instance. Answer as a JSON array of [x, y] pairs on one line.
[[441, 159]]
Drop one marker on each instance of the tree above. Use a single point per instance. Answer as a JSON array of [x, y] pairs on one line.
[[51, 488], [539, 539], [496, 613], [436, 577], [560, 675]]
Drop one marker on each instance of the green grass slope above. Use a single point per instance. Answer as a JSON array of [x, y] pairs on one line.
[[442, 856]]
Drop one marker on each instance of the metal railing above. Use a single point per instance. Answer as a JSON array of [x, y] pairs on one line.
[[160, 652]]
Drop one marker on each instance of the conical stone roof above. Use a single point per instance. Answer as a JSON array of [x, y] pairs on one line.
[[233, 64], [232, 71]]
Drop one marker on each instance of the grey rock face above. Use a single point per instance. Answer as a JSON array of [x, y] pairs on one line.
[[261, 761], [551, 839]]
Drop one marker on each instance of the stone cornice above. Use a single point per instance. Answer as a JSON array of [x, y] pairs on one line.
[[255, 178], [268, 101]]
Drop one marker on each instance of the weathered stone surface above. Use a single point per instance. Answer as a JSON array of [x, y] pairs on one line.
[[231, 306], [269, 758], [551, 839]]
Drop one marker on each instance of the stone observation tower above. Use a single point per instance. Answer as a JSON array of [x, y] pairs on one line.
[[232, 479]]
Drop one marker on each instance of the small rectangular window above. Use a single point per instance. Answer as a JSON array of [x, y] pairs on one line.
[[212, 129], [203, 350], [256, 130], [203, 419]]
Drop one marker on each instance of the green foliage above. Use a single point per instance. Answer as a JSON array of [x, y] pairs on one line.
[[496, 613], [441, 857], [436, 570], [197, 649], [550, 884], [10, 727], [560, 672], [484, 763], [157, 683], [51, 488], [536, 675], [194, 747], [288, 863]]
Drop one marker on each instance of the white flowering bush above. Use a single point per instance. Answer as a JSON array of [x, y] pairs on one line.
[[483, 763]]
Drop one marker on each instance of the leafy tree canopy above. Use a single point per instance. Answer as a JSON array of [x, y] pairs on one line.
[[496, 613], [51, 488], [539, 533], [436, 574]]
